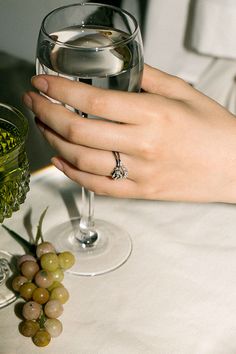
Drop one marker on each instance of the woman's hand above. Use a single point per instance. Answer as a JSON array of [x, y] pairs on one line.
[[176, 143]]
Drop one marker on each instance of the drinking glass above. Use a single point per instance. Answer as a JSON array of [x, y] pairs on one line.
[[100, 45], [14, 182]]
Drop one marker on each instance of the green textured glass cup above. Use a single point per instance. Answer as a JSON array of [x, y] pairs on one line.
[[14, 181]]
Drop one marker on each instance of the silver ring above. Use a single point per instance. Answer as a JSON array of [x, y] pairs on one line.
[[120, 171]]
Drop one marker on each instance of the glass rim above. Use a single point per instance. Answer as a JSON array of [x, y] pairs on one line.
[[23, 134], [100, 48]]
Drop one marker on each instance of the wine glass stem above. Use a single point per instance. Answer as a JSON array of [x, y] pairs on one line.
[[87, 234]]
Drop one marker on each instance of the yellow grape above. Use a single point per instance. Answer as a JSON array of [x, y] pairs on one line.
[[54, 285], [40, 295], [53, 309], [66, 259], [25, 257], [29, 269], [18, 281], [44, 247], [49, 261], [58, 275], [61, 294], [41, 338], [28, 328], [53, 326], [26, 290], [43, 279], [31, 310]]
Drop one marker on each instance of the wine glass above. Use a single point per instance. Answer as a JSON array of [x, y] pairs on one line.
[[100, 45], [14, 182]]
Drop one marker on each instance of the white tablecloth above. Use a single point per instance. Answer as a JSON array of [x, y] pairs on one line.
[[175, 295]]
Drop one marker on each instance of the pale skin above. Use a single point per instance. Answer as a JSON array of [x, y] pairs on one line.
[[176, 143]]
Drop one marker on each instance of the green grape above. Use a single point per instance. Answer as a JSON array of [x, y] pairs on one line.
[[54, 285], [41, 338], [26, 290], [61, 294], [53, 309], [44, 247], [28, 328], [40, 295], [43, 291], [43, 279], [49, 261], [66, 260], [29, 269], [18, 281], [58, 275], [31, 310], [53, 326]]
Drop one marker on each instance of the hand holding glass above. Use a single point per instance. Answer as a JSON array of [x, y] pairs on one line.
[[100, 45]]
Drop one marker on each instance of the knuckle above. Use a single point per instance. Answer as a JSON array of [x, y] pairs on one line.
[[42, 106], [81, 162], [98, 190], [95, 103], [77, 161], [38, 109], [73, 131], [179, 82], [174, 85], [51, 139], [148, 149], [149, 192], [152, 191], [103, 188]]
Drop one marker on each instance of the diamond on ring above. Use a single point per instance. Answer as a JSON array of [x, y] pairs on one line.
[[120, 171]]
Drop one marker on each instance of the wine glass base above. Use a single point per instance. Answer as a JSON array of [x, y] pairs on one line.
[[111, 249], [7, 269]]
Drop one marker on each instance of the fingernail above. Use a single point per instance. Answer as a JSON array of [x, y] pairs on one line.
[[27, 100], [57, 163], [39, 83]]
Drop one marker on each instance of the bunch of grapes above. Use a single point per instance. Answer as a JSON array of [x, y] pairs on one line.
[[40, 285]]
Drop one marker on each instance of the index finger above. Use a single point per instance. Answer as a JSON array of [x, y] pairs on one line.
[[109, 104], [164, 84]]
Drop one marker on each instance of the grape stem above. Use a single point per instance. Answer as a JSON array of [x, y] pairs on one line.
[[42, 319], [39, 235], [28, 246]]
